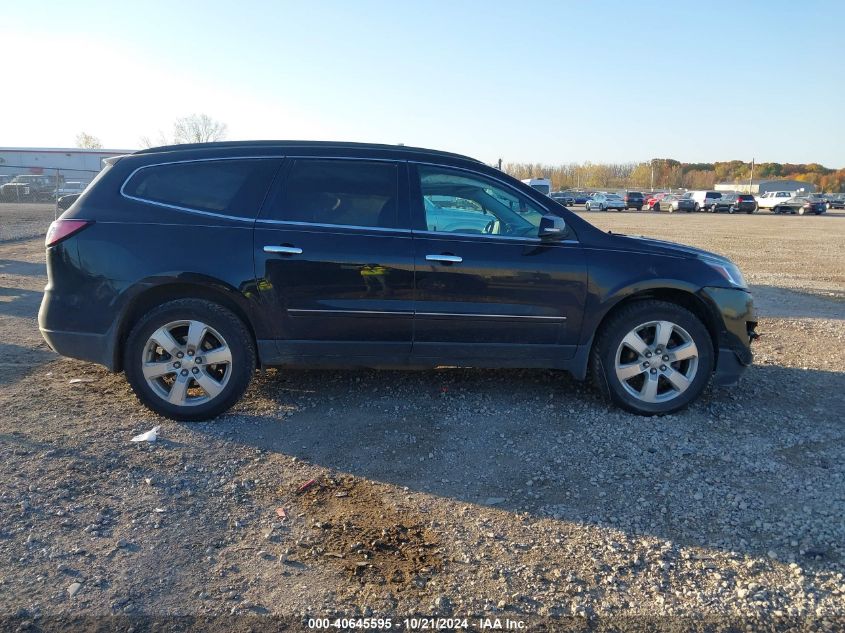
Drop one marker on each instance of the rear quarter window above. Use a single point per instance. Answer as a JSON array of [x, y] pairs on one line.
[[231, 187]]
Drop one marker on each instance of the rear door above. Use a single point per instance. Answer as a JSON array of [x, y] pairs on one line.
[[486, 286], [334, 259]]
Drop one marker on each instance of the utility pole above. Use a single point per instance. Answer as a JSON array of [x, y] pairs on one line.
[[751, 178], [652, 175], [500, 164]]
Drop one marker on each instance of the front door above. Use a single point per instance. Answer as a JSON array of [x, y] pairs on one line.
[[486, 286], [334, 260]]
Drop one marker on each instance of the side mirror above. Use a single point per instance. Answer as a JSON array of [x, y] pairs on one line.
[[552, 227]]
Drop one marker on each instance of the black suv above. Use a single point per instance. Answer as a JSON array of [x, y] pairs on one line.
[[189, 266], [633, 200]]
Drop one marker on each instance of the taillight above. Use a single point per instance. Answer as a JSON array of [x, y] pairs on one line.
[[62, 229]]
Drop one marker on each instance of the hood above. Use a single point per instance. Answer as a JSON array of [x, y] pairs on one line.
[[649, 245]]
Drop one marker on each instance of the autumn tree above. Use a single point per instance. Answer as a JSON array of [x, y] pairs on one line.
[[88, 141]]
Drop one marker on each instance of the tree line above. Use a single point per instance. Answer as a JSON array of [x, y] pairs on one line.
[[667, 173]]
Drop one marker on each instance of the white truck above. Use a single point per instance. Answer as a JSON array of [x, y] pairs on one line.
[[771, 199], [543, 185]]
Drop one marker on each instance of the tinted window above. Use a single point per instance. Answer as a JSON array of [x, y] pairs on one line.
[[233, 187], [457, 202], [345, 192]]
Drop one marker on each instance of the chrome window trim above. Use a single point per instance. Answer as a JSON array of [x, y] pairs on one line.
[[532, 240], [177, 207], [334, 226], [298, 224]]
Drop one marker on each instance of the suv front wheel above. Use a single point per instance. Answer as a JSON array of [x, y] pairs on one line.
[[652, 358], [189, 359]]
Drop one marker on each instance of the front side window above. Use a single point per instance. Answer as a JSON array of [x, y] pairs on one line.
[[231, 187], [457, 202], [341, 192]]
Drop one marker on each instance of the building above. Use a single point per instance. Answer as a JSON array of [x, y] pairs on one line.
[[64, 163], [762, 186]]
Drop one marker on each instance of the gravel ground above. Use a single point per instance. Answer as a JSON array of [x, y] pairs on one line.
[[20, 220], [470, 493]]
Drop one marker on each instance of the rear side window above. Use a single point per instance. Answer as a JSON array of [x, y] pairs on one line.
[[231, 187], [341, 192]]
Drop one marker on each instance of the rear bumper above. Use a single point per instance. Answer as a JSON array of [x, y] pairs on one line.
[[95, 348]]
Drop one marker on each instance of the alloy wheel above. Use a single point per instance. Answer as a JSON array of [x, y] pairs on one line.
[[186, 363], [656, 361]]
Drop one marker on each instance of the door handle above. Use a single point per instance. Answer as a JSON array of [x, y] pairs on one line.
[[283, 250], [446, 259]]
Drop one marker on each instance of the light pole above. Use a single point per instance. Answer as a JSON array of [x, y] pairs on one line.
[[751, 178], [652, 175]]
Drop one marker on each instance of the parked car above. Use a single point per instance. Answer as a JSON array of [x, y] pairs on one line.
[[735, 203], [837, 201], [70, 187], [332, 254], [801, 205], [563, 197], [605, 202], [821, 198], [29, 188], [633, 200], [580, 197], [771, 199], [703, 200], [4, 178], [64, 202], [672, 203], [652, 198]]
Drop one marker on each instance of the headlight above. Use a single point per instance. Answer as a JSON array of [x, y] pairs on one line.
[[729, 271]]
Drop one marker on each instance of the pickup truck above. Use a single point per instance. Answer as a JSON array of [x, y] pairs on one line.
[[771, 199], [28, 187]]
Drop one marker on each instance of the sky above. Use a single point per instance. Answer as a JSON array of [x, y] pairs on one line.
[[550, 82]]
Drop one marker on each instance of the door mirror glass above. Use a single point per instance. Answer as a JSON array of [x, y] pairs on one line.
[[552, 227]]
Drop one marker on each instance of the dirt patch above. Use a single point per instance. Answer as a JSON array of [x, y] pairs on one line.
[[367, 540]]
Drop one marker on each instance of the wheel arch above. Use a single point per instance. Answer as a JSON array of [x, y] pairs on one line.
[[148, 297], [683, 297]]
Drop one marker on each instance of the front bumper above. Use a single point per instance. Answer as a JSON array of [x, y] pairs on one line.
[[737, 320]]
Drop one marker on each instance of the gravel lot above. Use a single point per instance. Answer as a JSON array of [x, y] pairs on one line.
[[509, 494]]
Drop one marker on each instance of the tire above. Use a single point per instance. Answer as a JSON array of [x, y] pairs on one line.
[[586, 206], [800, 211], [697, 207], [655, 207], [219, 331], [611, 351], [671, 209], [731, 209], [601, 207]]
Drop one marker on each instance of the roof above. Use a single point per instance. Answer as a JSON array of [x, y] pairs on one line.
[[401, 149]]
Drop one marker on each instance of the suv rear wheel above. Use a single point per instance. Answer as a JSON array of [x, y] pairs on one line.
[[652, 358], [189, 359]]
